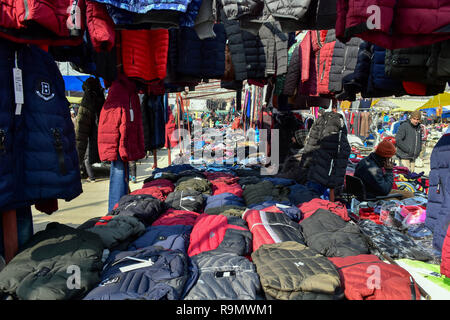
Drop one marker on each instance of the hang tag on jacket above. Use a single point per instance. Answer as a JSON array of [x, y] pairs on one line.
[[131, 115], [18, 89]]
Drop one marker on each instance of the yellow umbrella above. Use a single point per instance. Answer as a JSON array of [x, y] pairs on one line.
[[438, 101]]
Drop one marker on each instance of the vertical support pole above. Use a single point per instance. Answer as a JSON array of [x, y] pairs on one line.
[[10, 241]]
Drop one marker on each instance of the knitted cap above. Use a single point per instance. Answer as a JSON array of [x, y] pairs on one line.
[[385, 149]]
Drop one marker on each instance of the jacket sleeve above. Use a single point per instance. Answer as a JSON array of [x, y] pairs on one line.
[[108, 132], [293, 74], [379, 182], [100, 26]]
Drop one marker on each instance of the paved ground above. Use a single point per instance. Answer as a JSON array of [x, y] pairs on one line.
[[93, 202]]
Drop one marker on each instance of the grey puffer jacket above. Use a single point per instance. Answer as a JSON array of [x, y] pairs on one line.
[[224, 276], [343, 63], [409, 141]]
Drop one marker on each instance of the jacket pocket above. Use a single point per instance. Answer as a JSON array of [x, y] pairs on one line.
[[59, 148]]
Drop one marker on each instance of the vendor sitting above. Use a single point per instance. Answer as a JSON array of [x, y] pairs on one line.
[[375, 170]]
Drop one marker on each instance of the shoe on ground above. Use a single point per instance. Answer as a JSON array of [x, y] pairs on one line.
[[90, 180]]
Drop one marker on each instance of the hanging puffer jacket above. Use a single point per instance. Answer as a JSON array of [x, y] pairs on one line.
[[120, 130], [144, 53], [38, 156]]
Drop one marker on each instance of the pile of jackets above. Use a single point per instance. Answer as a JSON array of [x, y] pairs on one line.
[[198, 246]]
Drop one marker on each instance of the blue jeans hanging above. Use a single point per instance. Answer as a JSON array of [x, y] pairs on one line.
[[118, 182]]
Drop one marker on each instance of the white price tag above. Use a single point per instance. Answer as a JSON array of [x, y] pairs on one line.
[[131, 115], [158, 175], [18, 85]]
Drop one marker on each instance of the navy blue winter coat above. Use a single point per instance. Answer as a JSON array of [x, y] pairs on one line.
[[169, 237], [224, 200], [38, 157], [438, 206], [201, 58]]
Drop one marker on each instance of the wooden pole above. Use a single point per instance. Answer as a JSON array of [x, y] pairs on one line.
[[10, 241]]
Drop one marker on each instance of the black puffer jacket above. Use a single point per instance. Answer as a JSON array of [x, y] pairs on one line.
[[409, 141], [86, 128], [325, 156], [343, 63], [247, 51], [331, 236], [144, 207]]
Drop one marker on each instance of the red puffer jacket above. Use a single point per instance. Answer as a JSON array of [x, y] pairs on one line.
[[144, 53], [403, 23], [366, 277], [310, 207], [325, 57], [120, 129], [445, 260], [56, 22]]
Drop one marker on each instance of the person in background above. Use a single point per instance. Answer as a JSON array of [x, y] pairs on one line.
[[409, 140], [375, 170], [133, 171], [73, 116]]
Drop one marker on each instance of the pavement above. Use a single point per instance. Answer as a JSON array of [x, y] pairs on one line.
[[93, 202]]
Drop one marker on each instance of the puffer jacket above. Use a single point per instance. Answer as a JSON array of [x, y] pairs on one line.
[[38, 156], [169, 237], [343, 63], [34, 21], [264, 191], [409, 141], [234, 9], [144, 53], [391, 242], [416, 23], [438, 213], [369, 77], [445, 256], [326, 152], [194, 183], [357, 276], [309, 208], [291, 271], [220, 234], [37, 273], [144, 207], [324, 60], [120, 130], [202, 58], [152, 108], [190, 200], [116, 232], [224, 276], [50, 24], [377, 180], [272, 227], [439, 63], [331, 236], [286, 208], [174, 217], [86, 129], [223, 201], [168, 275]]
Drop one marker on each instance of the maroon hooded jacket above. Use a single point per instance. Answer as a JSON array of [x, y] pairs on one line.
[[120, 129], [403, 23]]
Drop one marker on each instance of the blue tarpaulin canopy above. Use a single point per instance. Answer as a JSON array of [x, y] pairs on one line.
[[74, 83]]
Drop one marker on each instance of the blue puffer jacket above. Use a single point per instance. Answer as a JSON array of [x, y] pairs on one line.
[[223, 200], [438, 206], [143, 6], [38, 157], [201, 58], [168, 275], [169, 237]]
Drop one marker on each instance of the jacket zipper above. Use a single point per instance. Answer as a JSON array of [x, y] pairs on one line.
[[59, 150], [345, 59], [357, 263]]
